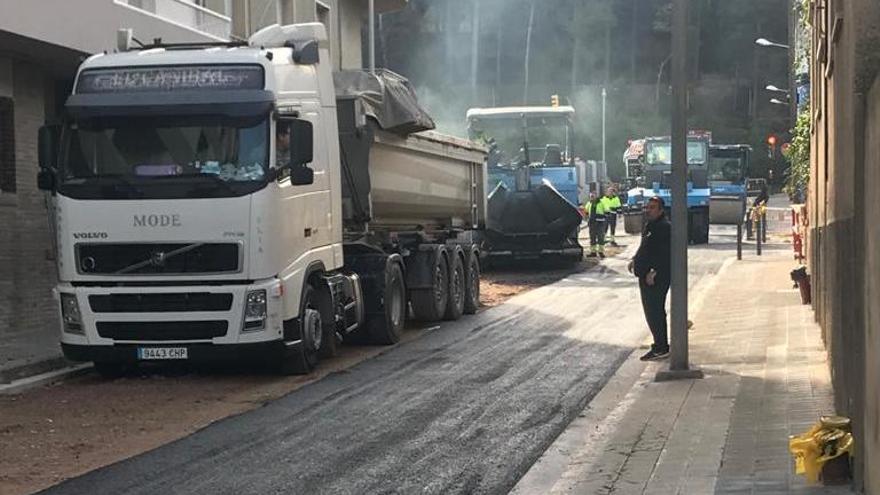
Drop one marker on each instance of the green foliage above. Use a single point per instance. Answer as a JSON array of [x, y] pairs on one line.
[[798, 155]]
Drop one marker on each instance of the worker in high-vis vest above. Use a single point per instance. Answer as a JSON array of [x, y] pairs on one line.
[[595, 212], [612, 206]]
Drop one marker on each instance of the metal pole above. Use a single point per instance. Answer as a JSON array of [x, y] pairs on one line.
[[739, 241], [475, 49], [371, 13], [604, 97], [528, 52], [679, 288], [758, 227]]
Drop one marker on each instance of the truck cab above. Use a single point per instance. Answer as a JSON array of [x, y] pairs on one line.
[[658, 174], [728, 177], [536, 138]]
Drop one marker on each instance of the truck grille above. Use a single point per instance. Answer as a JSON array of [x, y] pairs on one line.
[[160, 303], [162, 330], [151, 259]]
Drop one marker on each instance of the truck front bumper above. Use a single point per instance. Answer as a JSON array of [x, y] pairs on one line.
[[209, 321]]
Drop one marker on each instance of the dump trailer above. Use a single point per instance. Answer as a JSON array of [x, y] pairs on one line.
[[658, 173], [728, 175], [533, 181], [231, 201]]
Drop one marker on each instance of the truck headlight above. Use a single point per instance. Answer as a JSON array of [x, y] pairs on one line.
[[70, 314], [255, 311]]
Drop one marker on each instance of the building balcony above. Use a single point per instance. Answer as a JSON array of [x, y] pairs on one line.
[[190, 14]]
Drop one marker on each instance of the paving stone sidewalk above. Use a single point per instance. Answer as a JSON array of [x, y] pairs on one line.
[[766, 378]]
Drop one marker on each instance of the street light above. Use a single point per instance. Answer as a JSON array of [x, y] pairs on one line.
[[771, 87], [778, 102], [766, 42]]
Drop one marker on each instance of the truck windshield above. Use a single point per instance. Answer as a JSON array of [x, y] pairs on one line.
[[164, 158], [509, 135], [726, 169], [660, 153]]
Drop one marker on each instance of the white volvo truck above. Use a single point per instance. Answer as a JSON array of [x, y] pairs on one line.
[[215, 202]]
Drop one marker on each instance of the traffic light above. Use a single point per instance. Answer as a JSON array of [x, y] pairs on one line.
[[554, 101], [771, 146]]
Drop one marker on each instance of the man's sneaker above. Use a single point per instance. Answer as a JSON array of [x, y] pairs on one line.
[[591, 255], [602, 255], [653, 355]]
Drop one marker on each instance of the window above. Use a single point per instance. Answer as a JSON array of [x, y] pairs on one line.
[[7, 145]]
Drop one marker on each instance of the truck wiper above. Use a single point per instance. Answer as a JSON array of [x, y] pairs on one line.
[[214, 179], [117, 179]]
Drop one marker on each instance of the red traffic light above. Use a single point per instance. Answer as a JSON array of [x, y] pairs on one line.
[[771, 140]]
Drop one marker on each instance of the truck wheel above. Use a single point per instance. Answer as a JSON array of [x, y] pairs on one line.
[[472, 287], [301, 358], [112, 369], [387, 328], [430, 304], [457, 283]]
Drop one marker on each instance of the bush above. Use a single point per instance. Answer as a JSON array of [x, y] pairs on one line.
[[798, 156]]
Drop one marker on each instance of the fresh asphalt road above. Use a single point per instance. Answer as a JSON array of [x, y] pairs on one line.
[[467, 408]]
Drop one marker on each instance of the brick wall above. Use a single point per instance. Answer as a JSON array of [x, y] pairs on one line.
[[27, 272]]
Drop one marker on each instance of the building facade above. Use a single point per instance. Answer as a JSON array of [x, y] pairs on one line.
[[41, 45], [844, 212]]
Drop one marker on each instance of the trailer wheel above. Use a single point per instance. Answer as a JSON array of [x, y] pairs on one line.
[[301, 358], [472, 287], [456, 293], [387, 328], [430, 304]]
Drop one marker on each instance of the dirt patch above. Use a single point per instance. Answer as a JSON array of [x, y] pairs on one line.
[[64, 430], [501, 283]]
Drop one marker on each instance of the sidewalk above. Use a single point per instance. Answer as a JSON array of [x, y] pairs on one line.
[[766, 378]]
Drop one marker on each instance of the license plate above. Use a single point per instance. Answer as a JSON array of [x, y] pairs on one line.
[[145, 353]]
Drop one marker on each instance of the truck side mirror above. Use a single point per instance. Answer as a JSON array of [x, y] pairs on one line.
[[46, 180], [47, 156], [300, 137], [47, 144], [301, 175], [301, 142]]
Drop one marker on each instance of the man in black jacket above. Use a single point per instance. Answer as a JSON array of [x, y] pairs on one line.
[[651, 265]]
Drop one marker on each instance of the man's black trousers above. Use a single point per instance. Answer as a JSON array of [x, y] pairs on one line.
[[611, 224], [654, 303]]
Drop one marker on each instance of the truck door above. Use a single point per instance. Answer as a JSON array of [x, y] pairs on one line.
[[306, 223]]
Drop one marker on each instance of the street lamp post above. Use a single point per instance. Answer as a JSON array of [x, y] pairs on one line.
[[371, 13], [773, 88], [766, 42], [604, 96], [679, 367], [792, 93]]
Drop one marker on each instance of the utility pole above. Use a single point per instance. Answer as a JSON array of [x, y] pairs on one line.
[[528, 52], [475, 49], [679, 365], [604, 97], [372, 15]]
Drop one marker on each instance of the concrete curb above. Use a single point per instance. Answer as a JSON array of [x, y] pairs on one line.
[[22, 384]]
